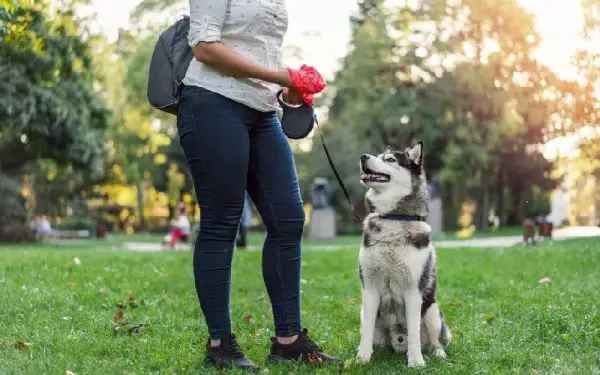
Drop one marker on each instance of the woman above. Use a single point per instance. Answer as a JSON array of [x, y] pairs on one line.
[[233, 142], [180, 227]]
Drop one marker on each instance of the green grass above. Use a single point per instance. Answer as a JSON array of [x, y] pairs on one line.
[[503, 319], [257, 238]]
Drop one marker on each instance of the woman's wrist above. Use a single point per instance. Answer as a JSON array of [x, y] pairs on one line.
[[280, 77]]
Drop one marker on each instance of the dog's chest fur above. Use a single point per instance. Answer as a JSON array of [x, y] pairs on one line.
[[394, 256]]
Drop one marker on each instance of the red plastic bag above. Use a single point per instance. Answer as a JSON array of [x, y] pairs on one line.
[[308, 82]]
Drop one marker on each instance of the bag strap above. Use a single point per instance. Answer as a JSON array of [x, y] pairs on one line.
[[335, 172]]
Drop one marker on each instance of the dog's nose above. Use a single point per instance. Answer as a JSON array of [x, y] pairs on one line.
[[364, 157]]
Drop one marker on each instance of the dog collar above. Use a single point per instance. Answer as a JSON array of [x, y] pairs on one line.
[[398, 217]]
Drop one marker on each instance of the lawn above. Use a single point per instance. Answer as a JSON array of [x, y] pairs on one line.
[[503, 319]]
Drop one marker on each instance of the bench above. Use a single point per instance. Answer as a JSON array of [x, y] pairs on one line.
[[69, 234]]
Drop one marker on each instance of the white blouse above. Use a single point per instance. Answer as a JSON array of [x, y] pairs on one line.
[[253, 28]]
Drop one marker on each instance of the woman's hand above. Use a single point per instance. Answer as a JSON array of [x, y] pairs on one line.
[[307, 82], [291, 96]]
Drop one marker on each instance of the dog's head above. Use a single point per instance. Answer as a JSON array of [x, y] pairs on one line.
[[396, 181]]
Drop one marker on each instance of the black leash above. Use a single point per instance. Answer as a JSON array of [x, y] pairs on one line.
[[401, 217], [335, 172]]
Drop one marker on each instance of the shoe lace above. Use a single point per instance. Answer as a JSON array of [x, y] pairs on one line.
[[233, 348], [308, 343]]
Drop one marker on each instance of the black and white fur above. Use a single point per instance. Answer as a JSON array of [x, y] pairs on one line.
[[397, 262]]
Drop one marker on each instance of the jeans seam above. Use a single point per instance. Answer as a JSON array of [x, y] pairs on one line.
[[194, 105], [279, 273]]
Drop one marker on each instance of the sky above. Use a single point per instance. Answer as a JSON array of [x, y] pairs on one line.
[[321, 28]]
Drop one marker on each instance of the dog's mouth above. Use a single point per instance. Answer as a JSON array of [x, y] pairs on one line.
[[370, 175]]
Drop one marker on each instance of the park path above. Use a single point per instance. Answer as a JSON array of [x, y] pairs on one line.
[[558, 234], [492, 242]]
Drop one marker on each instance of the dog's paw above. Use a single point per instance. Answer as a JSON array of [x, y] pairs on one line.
[[364, 355], [439, 353], [416, 360]]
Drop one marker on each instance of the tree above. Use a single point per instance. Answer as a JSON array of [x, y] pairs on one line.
[[49, 108], [451, 74]]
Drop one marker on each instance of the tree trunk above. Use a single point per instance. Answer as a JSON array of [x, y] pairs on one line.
[[140, 203], [451, 206], [483, 206], [520, 200], [500, 197]]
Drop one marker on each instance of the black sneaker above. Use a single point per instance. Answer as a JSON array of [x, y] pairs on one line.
[[302, 349], [228, 355]]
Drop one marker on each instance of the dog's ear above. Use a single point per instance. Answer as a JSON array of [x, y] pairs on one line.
[[416, 153], [388, 149]]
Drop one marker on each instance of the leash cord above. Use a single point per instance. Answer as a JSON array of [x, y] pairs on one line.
[[335, 172]]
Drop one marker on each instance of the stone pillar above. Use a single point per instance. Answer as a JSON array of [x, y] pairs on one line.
[[322, 225], [435, 214]]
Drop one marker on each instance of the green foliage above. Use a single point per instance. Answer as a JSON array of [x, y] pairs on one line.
[[77, 223], [537, 203], [49, 108], [461, 76], [143, 140], [12, 206]]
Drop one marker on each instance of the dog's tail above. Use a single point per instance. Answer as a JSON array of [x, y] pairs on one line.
[[445, 334]]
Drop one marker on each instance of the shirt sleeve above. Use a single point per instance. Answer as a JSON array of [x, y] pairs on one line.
[[206, 20]]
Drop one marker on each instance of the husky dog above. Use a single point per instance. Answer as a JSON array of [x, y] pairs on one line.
[[397, 263]]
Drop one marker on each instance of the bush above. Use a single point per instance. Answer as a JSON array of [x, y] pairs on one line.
[[12, 204], [16, 232], [78, 224]]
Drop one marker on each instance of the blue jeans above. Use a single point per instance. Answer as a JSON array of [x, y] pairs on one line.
[[231, 148]]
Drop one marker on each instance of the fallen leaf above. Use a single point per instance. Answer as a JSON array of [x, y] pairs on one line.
[[76, 261], [69, 372], [248, 319], [545, 280], [64, 318], [131, 296], [22, 344], [314, 358], [71, 283], [118, 315]]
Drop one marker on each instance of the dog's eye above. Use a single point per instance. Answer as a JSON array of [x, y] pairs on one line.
[[390, 160]]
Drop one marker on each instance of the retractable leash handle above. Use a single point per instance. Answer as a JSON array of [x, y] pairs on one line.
[[297, 121]]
